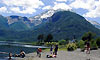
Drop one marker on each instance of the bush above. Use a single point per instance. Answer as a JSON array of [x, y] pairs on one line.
[[71, 46], [93, 45], [49, 44], [81, 44], [62, 42], [98, 42]]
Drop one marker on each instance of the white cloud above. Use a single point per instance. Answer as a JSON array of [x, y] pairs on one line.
[[61, 0], [25, 11], [15, 9], [94, 13], [23, 6], [3, 9], [47, 7], [85, 4], [92, 6], [24, 3], [61, 6]]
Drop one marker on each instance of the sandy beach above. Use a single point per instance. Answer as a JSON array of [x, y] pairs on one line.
[[65, 55]]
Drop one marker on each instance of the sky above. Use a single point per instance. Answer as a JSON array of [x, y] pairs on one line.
[[90, 9]]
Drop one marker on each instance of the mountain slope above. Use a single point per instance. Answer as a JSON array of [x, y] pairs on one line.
[[18, 23], [65, 24], [3, 22], [97, 25], [62, 25]]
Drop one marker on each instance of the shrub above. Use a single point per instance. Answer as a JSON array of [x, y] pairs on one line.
[[71, 46], [81, 44], [98, 41], [62, 42], [93, 45], [49, 44]]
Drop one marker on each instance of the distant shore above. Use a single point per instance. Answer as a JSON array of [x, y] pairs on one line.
[[64, 55]]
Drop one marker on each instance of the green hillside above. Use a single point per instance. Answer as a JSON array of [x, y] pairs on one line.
[[18, 26], [66, 24], [3, 22], [62, 25]]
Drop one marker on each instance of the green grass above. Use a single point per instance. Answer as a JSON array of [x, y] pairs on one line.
[[61, 48]]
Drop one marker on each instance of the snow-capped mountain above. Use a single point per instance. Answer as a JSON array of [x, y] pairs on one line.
[[43, 17], [96, 24], [32, 22]]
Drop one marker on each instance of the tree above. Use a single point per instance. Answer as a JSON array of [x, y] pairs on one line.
[[88, 36], [62, 42], [93, 44], [81, 44], [98, 41], [40, 38], [49, 38]]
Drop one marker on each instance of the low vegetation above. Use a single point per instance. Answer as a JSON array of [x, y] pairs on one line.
[[71, 45]]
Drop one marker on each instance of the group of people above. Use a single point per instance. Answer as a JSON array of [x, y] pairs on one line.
[[53, 51], [22, 55]]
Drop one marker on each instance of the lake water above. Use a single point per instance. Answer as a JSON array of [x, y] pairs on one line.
[[15, 48]]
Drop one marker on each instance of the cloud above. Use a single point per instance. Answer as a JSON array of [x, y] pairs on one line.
[[23, 6], [61, 0], [94, 13], [92, 6], [3, 9], [85, 4], [32, 6], [47, 7], [25, 11], [63, 6]]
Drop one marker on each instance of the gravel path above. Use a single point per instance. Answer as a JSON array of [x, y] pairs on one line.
[[65, 55]]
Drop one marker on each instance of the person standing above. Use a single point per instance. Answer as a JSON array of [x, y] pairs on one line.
[[40, 51], [88, 47], [51, 49], [56, 49]]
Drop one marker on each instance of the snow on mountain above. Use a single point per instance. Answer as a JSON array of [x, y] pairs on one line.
[[48, 14], [12, 20], [35, 20], [38, 19]]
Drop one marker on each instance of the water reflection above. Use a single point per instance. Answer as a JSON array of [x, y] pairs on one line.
[[15, 48]]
